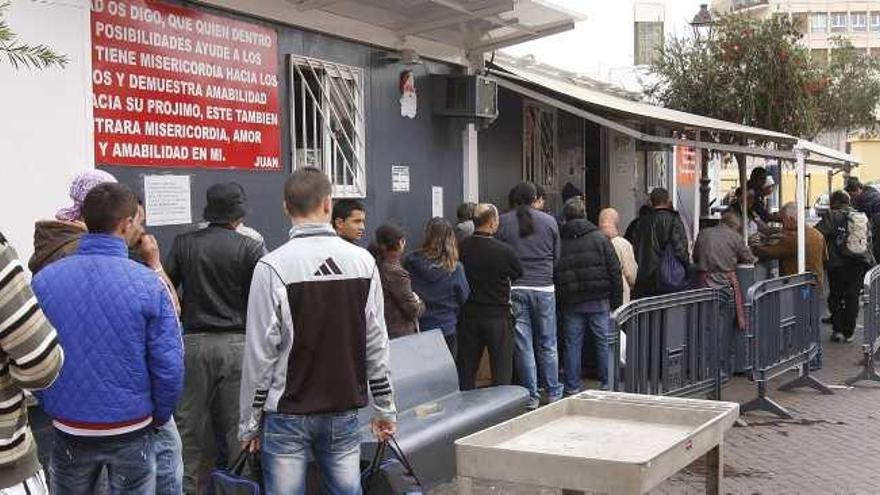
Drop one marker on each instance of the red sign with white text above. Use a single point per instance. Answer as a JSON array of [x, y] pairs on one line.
[[175, 87]]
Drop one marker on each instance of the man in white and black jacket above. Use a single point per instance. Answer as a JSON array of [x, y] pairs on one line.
[[316, 338]]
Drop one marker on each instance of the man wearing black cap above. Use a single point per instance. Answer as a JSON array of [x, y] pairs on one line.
[[213, 269]]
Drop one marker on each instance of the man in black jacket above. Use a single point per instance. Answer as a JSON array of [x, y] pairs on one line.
[[213, 266], [589, 287], [866, 199], [658, 230], [845, 268], [490, 266]]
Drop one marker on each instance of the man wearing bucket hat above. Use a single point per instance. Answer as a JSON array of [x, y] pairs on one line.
[[213, 268]]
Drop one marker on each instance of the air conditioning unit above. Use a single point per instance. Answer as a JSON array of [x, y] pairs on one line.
[[465, 96]]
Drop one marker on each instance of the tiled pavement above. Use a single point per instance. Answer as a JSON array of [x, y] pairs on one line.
[[832, 447]]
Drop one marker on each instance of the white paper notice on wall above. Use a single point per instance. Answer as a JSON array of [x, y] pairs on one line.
[[436, 201], [167, 200], [400, 178]]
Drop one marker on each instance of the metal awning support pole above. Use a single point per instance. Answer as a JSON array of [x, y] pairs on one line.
[[801, 216], [744, 196]]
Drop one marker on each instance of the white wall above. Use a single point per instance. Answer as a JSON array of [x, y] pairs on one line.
[[623, 170], [45, 129]]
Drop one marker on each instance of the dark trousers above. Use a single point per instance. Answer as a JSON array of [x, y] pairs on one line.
[[844, 284], [477, 334], [211, 386]]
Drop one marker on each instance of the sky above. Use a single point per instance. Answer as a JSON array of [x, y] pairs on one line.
[[602, 44]]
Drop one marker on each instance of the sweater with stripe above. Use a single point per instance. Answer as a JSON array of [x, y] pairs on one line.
[[30, 359]]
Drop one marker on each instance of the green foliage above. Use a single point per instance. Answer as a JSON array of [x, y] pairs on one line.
[[853, 88], [19, 54], [755, 72]]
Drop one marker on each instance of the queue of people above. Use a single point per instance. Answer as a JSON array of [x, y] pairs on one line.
[[172, 368]]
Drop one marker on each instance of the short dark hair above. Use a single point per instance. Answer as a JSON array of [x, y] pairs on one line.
[[305, 189], [839, 198], [387, 238], [659, 197], [465, 211], [106, 205], [853, 185], [540, 192], [343, 209], [574, 209]]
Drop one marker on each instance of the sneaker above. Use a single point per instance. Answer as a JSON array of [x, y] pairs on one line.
[[850, 339], [837, 337], [533, 404]]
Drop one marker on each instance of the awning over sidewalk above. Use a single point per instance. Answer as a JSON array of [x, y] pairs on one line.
[[621, 114]]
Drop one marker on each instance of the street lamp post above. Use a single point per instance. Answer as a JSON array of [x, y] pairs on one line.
[[702, 24]]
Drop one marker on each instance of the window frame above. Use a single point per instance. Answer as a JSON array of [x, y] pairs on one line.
[[814, 17], [872, 25], [327, 75], [838, 28], [858, 28]]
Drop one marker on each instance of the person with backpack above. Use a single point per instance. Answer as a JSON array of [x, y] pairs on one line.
[[850, 253], [866, 199], [661, 249]]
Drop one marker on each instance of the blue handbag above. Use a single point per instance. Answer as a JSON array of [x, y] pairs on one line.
[[232, 481]]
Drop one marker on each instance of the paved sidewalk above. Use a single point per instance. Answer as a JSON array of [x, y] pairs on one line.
[[832, 447]]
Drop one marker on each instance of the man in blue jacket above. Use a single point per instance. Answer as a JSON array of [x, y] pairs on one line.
[[123, 369]]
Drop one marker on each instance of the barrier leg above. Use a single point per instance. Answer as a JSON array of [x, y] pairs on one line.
[[714, 470], [806, 380], [868, 372], [465, 485], [764, 403]]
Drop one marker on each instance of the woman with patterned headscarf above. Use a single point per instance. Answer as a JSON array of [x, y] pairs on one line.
[[57, 238]]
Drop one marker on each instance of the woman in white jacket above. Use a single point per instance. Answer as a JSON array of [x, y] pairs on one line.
[[608, 219]]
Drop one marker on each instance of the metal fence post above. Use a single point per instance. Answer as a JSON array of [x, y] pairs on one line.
[[871, 327], [785, 327]]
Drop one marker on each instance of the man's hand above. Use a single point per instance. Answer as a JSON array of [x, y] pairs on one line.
[[384, 429], [148, 249], [252, 445]]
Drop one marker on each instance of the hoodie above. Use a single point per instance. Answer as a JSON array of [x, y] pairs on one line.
[[588, 269], [53, 240], [443, 292]]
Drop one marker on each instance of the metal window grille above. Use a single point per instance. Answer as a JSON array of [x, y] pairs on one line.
[[539, 145], [327, 122]]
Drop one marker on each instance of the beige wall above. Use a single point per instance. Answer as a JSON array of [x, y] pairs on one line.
[[868, 151]]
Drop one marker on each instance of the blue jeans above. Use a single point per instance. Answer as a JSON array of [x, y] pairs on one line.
[[169, 459], [575, 324], [77, 463], [535, 313], [333, 440]]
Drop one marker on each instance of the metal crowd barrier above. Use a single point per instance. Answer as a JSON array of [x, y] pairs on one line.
[[784, 325], [871, 324], [672, 345]]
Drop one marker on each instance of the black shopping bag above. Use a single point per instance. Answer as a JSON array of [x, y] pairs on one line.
[[392, 475], [233, 481]]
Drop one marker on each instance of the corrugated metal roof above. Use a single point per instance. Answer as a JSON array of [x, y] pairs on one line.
[[642, 110], [817, 154]]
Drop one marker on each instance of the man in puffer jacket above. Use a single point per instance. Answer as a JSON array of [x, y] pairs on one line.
[[123, 370], [589, 287]]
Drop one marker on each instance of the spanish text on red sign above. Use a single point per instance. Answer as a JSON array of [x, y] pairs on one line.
[[176, 87]]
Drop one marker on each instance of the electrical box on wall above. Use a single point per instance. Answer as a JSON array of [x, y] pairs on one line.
[[468, 96]]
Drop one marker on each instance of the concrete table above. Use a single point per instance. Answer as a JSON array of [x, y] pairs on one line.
[[601, 442]]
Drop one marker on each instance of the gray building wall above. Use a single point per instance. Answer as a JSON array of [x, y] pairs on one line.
[[500, 150], [430, 145]]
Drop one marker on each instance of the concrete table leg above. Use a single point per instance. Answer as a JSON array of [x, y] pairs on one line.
[[714, 471], [465, 485]]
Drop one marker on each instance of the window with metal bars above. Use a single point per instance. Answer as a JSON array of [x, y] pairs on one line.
[[327, 122], [539, 145]]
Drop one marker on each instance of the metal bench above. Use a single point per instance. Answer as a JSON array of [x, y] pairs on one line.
[[433, 412]]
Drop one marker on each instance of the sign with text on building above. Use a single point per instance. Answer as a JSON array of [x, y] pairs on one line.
[[176, 87]]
